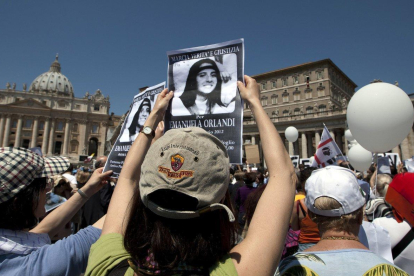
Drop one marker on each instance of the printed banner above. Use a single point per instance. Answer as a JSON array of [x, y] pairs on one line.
[[204, 81], [394, 158], [295, 160], [138, 113]]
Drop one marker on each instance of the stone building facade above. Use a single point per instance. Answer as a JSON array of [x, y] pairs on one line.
[[49, 116], [307, 96]]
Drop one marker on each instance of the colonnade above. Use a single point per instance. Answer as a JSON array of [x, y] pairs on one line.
[[48, 132]]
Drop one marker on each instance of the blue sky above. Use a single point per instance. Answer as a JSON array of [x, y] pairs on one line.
[[119, 46]]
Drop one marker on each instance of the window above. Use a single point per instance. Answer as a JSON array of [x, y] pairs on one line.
[[75, 127], [77, 106], [28, 123], [274, 99], [285, 97], [61, 104], [284, 82], [273, 84], [296, 95], [296, 111], [309, 110], [264, 101], [17, 99], [306, 78], [41, 125], [95, 128], [308, 94], [319, 75], [44, 102], [14, 124], [96, 107], [59, 126], [263, 85], [274, 115], [285, 113], [295, 79], [322, 108], [321, 92]]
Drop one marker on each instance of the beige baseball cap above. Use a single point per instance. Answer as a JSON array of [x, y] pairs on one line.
[[190, 161]]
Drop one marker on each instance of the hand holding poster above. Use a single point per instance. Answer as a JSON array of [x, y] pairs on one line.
[[204, 81], [138, 113]]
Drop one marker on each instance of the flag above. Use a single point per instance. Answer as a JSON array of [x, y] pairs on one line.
[[89, 158], [327, 150]]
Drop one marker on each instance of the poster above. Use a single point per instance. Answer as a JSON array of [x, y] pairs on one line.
[[295, 160], [138, 113], [252, 154], [394, 158], [53, 201], [204, 81]]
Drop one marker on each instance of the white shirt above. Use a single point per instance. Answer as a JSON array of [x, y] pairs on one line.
[[397, 232]]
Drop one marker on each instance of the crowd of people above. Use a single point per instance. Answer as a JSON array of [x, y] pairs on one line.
[[177, 209]]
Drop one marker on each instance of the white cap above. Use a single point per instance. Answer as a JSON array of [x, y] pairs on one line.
[[338, 183]]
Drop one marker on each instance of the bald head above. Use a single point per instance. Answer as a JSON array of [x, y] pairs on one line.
[[100, 162]]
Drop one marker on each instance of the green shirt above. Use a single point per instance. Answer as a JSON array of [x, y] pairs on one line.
[[109, 251]]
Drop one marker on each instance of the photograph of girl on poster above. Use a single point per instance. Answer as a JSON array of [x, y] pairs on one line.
[[131, 131], [205, 86]]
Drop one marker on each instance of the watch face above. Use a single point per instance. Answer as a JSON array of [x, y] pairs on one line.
[[147, 130]]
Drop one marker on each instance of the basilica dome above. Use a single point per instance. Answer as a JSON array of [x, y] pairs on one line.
[[52, 81]]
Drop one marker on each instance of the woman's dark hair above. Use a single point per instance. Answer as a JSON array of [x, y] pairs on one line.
[[134, 124], [82, 176], [18, 212], [304, 175], [251, 202], [190, 91], [198, 242]]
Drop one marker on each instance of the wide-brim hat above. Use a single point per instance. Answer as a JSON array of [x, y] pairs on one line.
[[190, 161], [20, 166]]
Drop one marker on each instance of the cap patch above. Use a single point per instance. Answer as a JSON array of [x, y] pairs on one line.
[[176, 162], [176, 175]]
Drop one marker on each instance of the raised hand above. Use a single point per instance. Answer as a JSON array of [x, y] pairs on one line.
[[249, 93], [162, 102]]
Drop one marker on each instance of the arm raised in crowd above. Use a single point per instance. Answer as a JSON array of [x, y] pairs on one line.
[[55, 221], [129, 178], [260, 252]]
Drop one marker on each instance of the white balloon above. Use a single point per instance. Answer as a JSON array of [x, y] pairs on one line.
[[348, 136], [291, 134], [360, 158], [380, 115]]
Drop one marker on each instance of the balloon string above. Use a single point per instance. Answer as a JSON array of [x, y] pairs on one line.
[[375, 186]]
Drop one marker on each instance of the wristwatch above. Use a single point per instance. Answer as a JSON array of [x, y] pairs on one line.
[[148, 131]]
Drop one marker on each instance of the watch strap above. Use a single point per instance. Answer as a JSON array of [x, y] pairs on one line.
[[152, 131]]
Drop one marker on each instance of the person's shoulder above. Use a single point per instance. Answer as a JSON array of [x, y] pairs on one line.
[[224, 267], [336, 261], [106, 254]]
